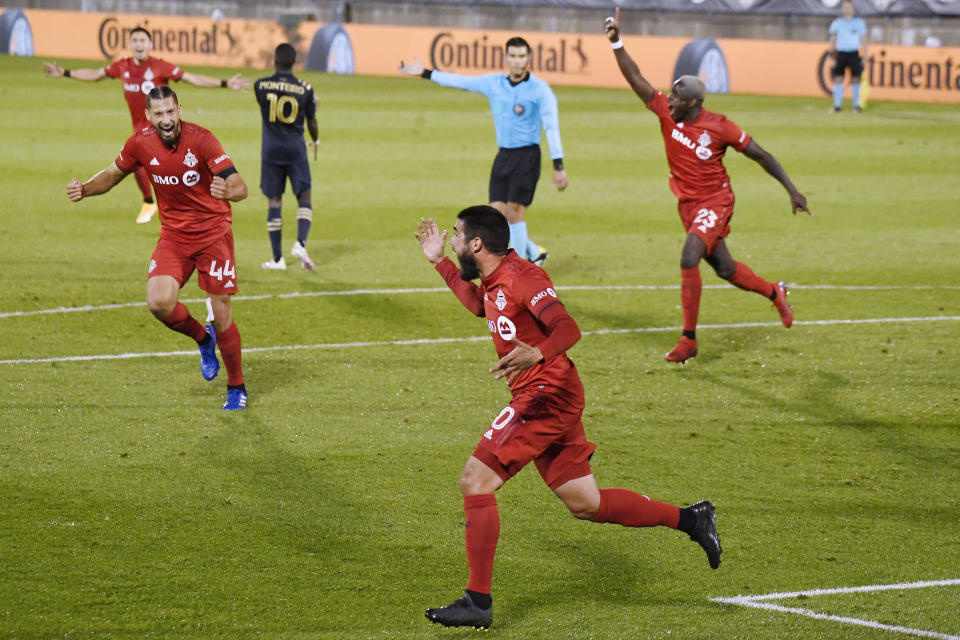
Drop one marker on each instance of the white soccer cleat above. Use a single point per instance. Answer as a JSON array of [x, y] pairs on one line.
[[300, 252], [147, 212], [275, 265]]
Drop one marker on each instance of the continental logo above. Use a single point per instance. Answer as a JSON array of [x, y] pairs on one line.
[[114, 38], [479, 54], [908, 74]]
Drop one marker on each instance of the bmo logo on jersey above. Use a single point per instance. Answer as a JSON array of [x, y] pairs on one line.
[[543, 294], [506, 329], [190, 178]]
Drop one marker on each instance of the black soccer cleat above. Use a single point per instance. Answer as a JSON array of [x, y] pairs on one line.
[[462, 613], [705, 532]]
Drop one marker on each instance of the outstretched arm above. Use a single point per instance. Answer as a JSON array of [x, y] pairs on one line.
[[100, 183], [237, 82], [762, 157], [629, 68], [432, 241], [54, 70]]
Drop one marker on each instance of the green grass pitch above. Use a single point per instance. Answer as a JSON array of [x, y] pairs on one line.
[[131, 506]]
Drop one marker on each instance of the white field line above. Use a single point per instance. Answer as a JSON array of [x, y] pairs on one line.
[[757, 602], [418, 341], [401, 291]]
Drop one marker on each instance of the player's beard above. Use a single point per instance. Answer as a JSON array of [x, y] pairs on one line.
[[174, 135], [468, 266]]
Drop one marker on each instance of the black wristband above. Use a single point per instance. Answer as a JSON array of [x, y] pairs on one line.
[[223, 84], [66, 73], [426, 73], [558, 164]]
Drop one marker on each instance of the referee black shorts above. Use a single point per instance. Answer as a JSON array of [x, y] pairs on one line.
[[848, 60], [514, 175]]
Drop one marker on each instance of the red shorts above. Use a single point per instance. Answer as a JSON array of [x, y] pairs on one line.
[[709, 219], [216, 267], [540, 424]]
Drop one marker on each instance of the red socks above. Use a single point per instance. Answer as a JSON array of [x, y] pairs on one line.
[[180, 320], [634, 510], [690, 288], [143, 181], [481, 533], [229, 343], [745, 278]]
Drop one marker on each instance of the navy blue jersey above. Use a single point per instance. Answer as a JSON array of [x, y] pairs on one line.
[[285, 102]]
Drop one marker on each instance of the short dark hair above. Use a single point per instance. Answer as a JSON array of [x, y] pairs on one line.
[[161, 93], [517, 41], [141, 30], [488, 224], [284, 56]]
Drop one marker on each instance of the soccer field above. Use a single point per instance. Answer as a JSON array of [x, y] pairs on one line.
[[132, 506]]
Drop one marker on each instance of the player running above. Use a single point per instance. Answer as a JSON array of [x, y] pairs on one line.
[[195, 182], [696, 141], [140, 73], [286, 102], [532, 332], [521, 104]]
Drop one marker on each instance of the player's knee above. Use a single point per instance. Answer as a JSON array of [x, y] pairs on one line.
[[582, 510], [725, 271], [161, 306]]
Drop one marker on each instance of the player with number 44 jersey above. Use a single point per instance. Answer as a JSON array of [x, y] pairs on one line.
[[695, 141], [195, 181]]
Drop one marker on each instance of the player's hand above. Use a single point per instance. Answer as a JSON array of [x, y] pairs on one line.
[[431, 240], [52, 69], [238, 83], [520, 359], [218, 188], [799, 203], [314, 144], [414, 68], [611, 26], [560, 179], [75, 190]]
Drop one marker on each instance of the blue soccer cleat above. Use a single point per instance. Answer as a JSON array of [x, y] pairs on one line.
[[236, 400], [209, 364]]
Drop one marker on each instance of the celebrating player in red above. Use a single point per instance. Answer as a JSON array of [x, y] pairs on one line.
[[194, 180], [531, 331], [141, 73], [696, 141]]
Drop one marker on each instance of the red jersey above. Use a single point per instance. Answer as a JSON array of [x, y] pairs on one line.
[[695, 150], [513, 298], [181, 178], [138, 80]]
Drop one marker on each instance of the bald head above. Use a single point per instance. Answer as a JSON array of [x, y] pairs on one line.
[[690, 88]]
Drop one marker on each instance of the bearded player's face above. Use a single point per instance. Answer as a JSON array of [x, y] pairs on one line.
[[164, 115], [468, 262]]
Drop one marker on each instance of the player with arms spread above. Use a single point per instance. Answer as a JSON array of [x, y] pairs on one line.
[[696, 141], [195, 182], [532, 332], [286, 103], [521, 104], [140, 73]]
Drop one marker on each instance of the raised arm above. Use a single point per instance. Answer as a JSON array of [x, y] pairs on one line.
[[102, 182], [432, 241], [237, 82], [629, 68], [762, 157], [54, 70]]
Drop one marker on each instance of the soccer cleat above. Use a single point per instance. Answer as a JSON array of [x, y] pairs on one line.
[[462, 613], [236, 400], [782, 306], [209, 364], [856, 109], [684, 350], [540, 259], [834, 110], [146, 212], [300, 252], [705, 532], [275, 265]]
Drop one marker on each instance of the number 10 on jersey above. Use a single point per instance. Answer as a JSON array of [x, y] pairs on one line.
[[282, 108]]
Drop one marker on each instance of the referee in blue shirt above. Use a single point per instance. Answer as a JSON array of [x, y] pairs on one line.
[[846, 34], [521, 104]]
